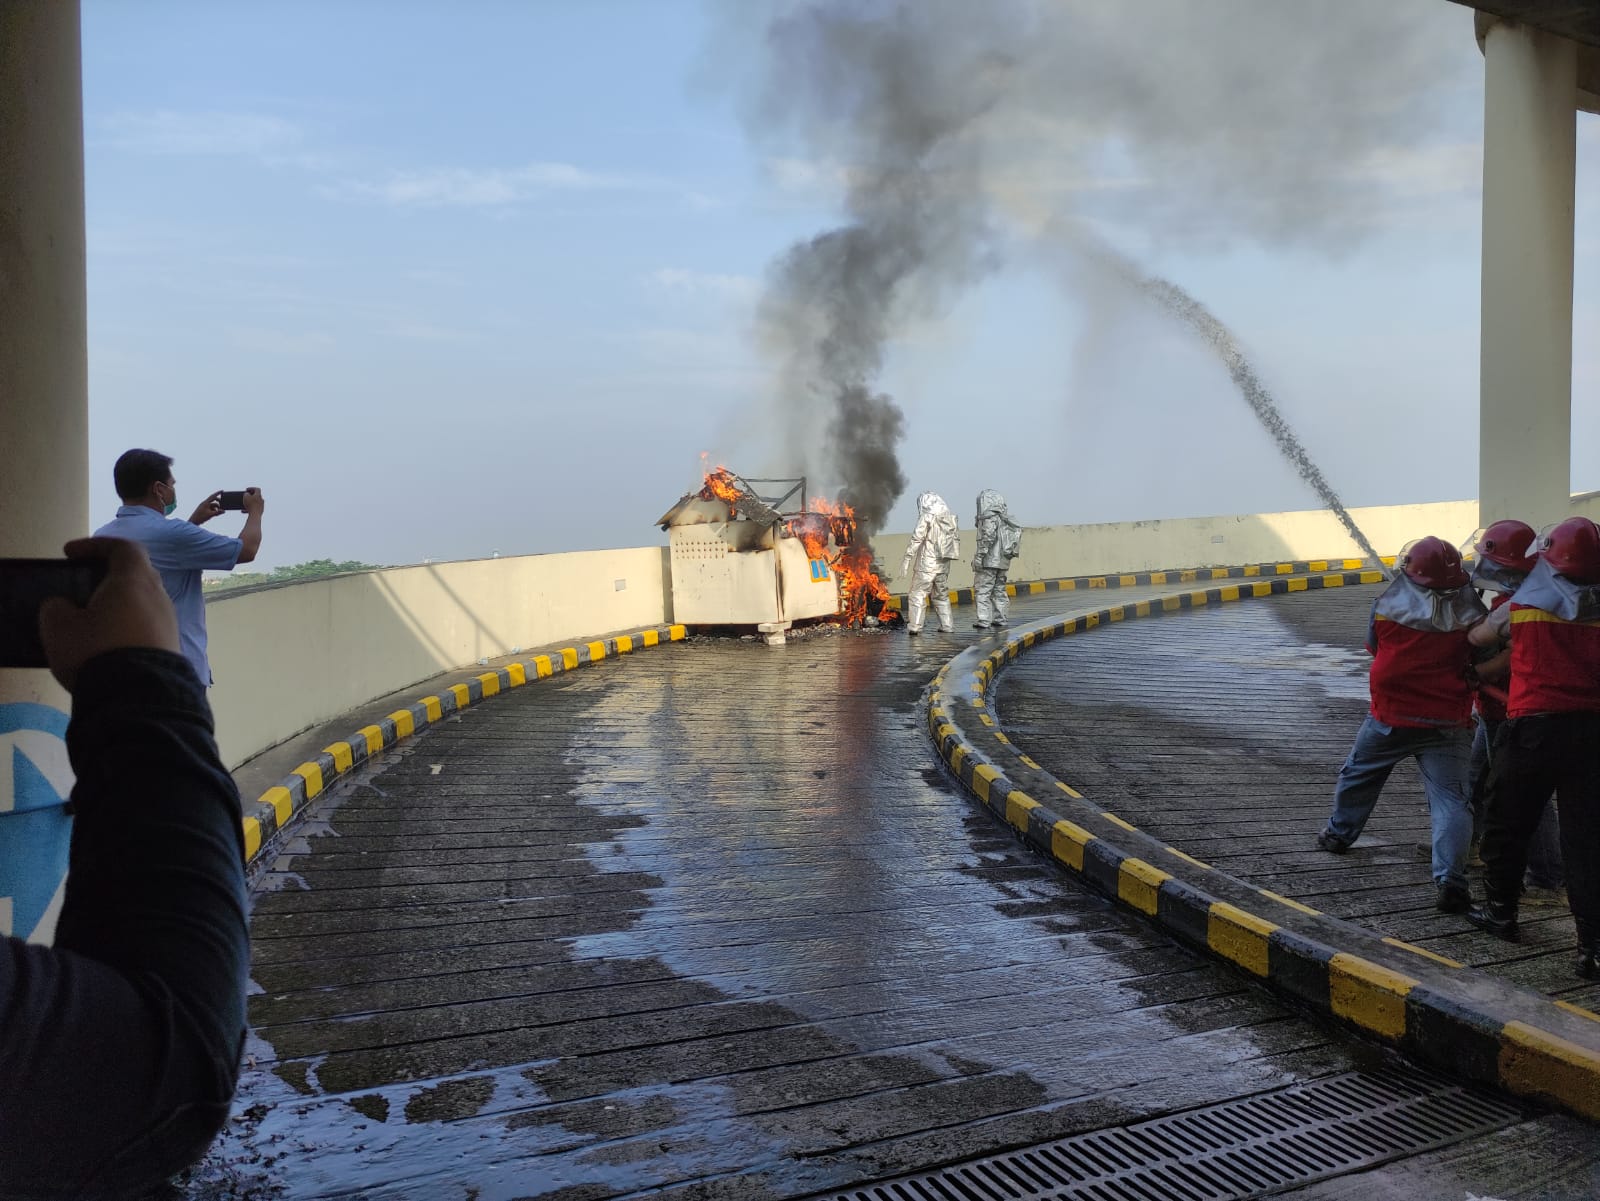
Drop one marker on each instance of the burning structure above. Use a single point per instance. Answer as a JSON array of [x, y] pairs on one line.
[[768, 557]]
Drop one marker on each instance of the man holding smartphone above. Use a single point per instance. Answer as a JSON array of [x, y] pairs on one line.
[[180, 550]]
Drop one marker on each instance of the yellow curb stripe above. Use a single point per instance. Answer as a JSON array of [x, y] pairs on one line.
[[597, 651], [282, 802], [1069, 790], [569, 657], [463, 695], [542, 666], [491, 683], [1018, 806], [677, 633], [1067, 842], [252, 838], [1239, 937], [1579, 1010], [433, 707], [1289, 901], [373, 736], [983, 775], [1368, 994], [1138, 884], [957, 754], [1117, 821], [1187, 858], [312, 775], [343, 757], [624, 644], [518, 673], [404, 724], [651, 638], [1028, 761], [1535, 1062], [1424, 952]]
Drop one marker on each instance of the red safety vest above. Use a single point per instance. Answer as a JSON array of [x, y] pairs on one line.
[[1555, 663], [1419, 677]]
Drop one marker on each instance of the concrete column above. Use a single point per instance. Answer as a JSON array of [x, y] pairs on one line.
[[44, 419], [1525, 381]]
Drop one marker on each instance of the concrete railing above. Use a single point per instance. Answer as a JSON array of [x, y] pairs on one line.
[[1132, 546], [286, 659]]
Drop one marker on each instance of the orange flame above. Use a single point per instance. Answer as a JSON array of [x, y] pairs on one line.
[[721, 485], [851, 561]]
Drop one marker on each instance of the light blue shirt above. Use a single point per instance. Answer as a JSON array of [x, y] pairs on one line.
[[180, 551]]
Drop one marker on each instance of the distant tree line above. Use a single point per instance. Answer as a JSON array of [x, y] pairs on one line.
[[311, 570]]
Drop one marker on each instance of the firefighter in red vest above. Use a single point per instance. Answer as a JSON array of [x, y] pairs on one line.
[[1505, 555], [1421, 709], [1552, 738]]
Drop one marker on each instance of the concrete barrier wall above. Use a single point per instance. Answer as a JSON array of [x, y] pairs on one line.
[[289, 658], [1069, 550]]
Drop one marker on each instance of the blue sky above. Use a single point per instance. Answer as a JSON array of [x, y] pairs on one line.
[[452, 280]]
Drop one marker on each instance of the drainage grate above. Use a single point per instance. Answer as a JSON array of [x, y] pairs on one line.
[[1228, 1152]]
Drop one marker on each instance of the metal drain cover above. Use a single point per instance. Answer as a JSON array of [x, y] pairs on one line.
[[1248, 1148]]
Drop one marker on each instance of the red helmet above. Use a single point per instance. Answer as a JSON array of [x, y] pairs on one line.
[[1433, 563], [1508, 543], [1573, 550]]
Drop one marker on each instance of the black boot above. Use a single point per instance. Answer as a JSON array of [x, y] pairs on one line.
[[1588, 965], [1496, 915]]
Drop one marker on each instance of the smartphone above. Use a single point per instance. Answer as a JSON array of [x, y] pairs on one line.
[[233, 502], [25, 584]]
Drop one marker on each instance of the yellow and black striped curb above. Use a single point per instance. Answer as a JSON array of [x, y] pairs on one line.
[[1141, 579], [278, 804], [1433, 1008]]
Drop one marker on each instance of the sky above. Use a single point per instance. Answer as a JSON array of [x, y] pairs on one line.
[[448, 281]]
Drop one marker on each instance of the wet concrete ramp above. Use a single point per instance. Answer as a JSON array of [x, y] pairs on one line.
[[1222, 731], [709, 923]]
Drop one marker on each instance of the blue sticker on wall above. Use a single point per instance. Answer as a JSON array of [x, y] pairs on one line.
[[35, 781], [819, 571]]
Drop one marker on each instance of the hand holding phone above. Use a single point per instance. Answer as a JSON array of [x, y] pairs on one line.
[[122, 605], [232, 502]]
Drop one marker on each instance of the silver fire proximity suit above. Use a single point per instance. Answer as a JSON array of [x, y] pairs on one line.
[[935, 544], [999, 540]]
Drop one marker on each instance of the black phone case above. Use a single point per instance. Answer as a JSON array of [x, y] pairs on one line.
[[25, 584]]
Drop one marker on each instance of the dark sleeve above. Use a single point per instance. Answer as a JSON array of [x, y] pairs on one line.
[[119, 1045]]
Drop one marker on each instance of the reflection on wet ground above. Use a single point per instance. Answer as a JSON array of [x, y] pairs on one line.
[[1223, 730], [706, 921]]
